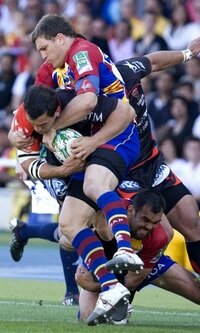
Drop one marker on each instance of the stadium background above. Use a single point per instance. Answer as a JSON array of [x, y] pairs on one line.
[[121, 28]]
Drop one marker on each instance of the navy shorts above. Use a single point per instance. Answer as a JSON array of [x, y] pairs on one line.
[[159, 269], [118, 154]]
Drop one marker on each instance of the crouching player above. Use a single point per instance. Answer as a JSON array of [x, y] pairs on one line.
[[151, 234]]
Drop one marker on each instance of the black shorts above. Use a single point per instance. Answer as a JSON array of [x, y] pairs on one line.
[[75, 190], [157, 175], [109, 159]]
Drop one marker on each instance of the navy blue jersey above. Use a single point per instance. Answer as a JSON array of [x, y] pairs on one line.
[[132, 71]]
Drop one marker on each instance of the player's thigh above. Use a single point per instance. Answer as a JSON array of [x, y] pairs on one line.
[[184, 217], [75, 215], [98, 179], [180, 281]]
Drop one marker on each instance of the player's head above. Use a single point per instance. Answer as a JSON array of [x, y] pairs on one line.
[[145, 213], [51, 38], [42, 107]]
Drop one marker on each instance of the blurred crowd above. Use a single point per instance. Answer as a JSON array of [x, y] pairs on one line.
[[123, 29]]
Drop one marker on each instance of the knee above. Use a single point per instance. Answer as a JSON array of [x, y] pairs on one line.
[[91, 190], [65, 243], [66, 229]]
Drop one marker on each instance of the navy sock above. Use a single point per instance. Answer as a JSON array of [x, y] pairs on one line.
[[44, 231], [69, 259]]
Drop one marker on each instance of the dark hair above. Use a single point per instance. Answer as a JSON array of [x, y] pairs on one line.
[[185, 83], [50, 25], [189, 139], [40, 100], [151, 198], [180, 98]]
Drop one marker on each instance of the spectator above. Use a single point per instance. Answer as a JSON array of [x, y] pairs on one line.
[[191, 178], [156, 7], [7, 79], [121, 45], [186, 89], [192, 73], [84, 25], [7, 158], [182, 124], [168, 149], [25, 79], [51, 7], [176, 32], [33, 11], [10, 23], [159, 104], [151, 42], [128, 12]]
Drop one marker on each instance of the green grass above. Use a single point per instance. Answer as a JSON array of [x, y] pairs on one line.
[[155, 311]]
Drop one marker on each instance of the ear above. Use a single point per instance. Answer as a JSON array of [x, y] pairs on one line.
[[58, 111], [130, 210], [60, 38]]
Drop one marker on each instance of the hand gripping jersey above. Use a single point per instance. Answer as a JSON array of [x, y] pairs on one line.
[[99, 115]]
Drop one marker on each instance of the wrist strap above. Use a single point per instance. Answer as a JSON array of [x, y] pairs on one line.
[[34, 169], [187, 55]]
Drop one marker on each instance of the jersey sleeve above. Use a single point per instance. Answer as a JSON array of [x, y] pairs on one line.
[[104, 107], [44, 75], [153, 246], [134, 68], [84, 60], [64, 97], [21, 124]]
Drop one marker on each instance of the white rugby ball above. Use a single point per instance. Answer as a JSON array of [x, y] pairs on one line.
[[62, 142]]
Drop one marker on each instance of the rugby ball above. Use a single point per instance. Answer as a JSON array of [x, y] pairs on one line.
[[62, 142]]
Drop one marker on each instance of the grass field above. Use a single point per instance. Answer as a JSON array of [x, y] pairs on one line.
[[154, 310]]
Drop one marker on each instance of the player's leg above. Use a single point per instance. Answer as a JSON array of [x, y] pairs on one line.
[[22, 232], [180, 281], [183, 215], [105, 170], [74, 219], [87, 303], [69, 261]]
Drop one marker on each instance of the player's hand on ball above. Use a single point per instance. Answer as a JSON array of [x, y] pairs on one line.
[[83, 147], [72, 165]]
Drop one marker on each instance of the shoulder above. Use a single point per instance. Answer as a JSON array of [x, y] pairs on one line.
[[44, 74], [157, 239]]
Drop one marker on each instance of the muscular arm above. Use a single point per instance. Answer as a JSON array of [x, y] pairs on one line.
[[113, 126], [47, 171], [165, 59], [76, 110], [162, 60]]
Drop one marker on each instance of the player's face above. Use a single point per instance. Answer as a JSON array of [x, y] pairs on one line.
[[42, 124], [143, 222], [51, 50]]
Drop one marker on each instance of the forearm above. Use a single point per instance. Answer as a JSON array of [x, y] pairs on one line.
[[162, 60], [44, 171], [76, 110]]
